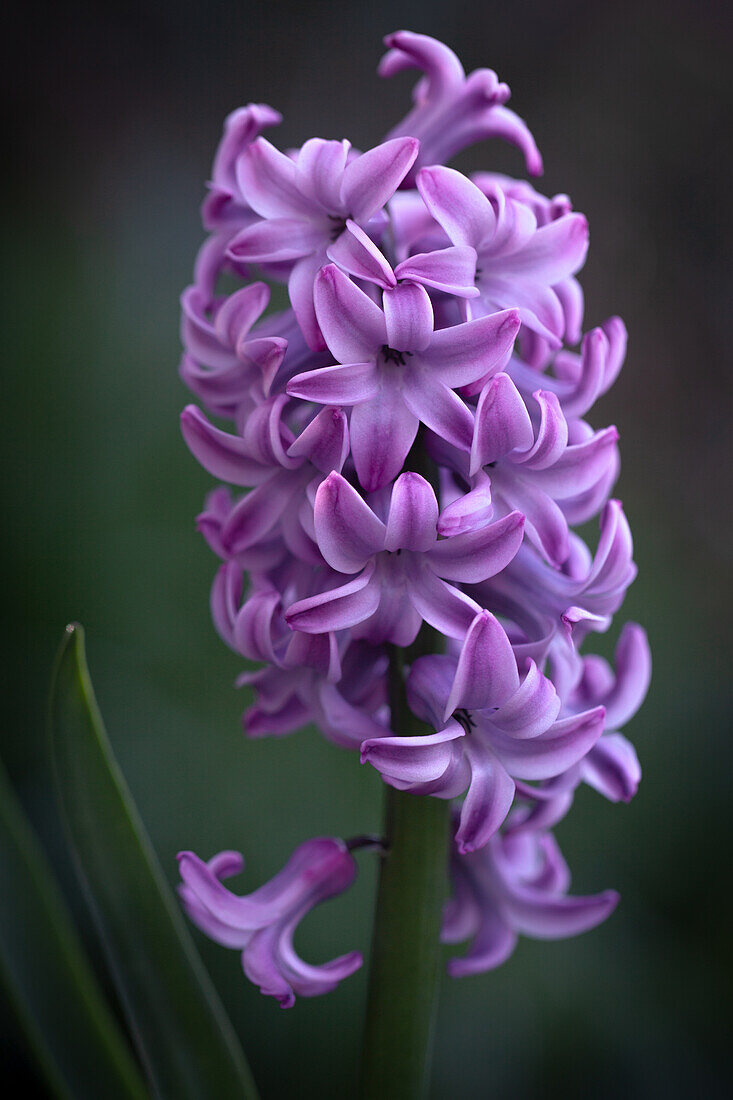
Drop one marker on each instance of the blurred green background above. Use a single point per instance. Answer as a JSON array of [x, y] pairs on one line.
[[115, 113]]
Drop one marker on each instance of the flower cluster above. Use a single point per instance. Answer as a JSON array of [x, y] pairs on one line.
[[411, 435]]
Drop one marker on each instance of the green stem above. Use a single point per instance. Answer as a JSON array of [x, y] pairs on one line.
[[403, 979]]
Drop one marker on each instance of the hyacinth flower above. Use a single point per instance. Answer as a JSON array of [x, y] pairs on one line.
[[396, 371], [491, 728], [406, 452], [261, 925], [516, 885], [517, 261]]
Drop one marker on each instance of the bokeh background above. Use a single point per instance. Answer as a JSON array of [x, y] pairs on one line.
[[115, 110]]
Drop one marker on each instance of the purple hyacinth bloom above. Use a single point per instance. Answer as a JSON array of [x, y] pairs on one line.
[[410, 453], [518, 262], [516, 885], [224, 206], [305, 203], [396, 372], [492, 728], [452, 110], [261, 925], [400, 569]]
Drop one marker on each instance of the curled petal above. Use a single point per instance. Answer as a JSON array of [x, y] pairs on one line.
[[487, 802], [353, 326], [267, 180], [337, 608], [548, 918], [502, 423], [371, 179], [347, 531], [452, 270], [409, 317], [612, 768], [412, 760], [464, 353], [413, 515], [565, 743], [457, 205], [486, 675], [356, 253], [477, 555]]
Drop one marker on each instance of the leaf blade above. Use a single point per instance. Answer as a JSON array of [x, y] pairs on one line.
[[182, 1033], [49, 980]]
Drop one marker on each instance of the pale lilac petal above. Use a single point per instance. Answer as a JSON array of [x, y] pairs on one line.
[[544, 520], [503, 123], [395, 619], [352, 325], [612, 768], [452, 270], [244, 913], [464, 353], [477, 555], [554, 252], [535, 914], [337, 608], [486, 674], [441, 605], [344, 384], [457, 205], [413, 515], [275, 241], [324, 442], [469, 510], [356, 253], [318, 171], [267, 180], [225, 456], [409, 316], [633, 663], [538, 305], [428, 686], [300, 291], [417, 759], [255, 515], [438, 407], [579, 467], [565, 743], [347, 531], [492, 945], [371, 179], [502, 423], [532, 709], [552, 435], [382, 431], [488, 800]]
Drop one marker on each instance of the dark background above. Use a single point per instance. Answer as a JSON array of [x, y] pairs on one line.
[[115, 111]]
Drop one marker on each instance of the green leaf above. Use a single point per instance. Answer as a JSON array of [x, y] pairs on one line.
[[62, 1010], [183, 1035]]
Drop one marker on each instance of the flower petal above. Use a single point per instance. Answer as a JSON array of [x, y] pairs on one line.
[[371, 179], [275, 241], [337, 608], [464, 353], [319, 169], [502, 423], [352, 325], [413, 514], [475, 556], [535, 914], [382, 431], [486, 674], [356, 253], [343, 384], [347, 531], [565, 743], [438, 407], [457, 205], [452, 270], [267, 180], [441, 605], [409, 316], [412, 760], [488, 799]]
